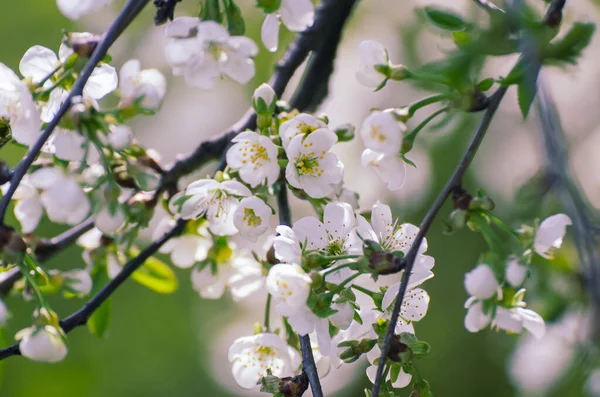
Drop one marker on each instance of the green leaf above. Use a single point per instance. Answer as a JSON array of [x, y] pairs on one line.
[[446, 19], [235, 21], [100, 320], [485, 84], [569, 48], [525, 95], [157, 276], [211, 11]]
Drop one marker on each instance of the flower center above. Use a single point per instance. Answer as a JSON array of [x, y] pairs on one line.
[[256, 154], [306, 129], [250, 217], [335, 247], [308, 164], [376, 133]]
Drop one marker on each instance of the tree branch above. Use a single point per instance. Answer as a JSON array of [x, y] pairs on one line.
[[129, 12], [452, 184]]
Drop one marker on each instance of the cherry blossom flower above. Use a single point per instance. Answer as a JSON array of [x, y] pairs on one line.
[[302, 124], [373, 56], [414, 305], [70, 145], [476, 319], [252, 218], [515, 272], [79, 281], [187, 249], [265, 94], [391, 169], [135, 83], [375, 353], [75, 9], [481, 282], [311, 166], [18, 108], [120, 136], [203, 52], [43, 344], [296, 15], [287, 245], [516, 319], [344, 316], [237, 271], [108, 222], [251, 356], [382, 133], [215, 200], [254, 156], [549, 235]]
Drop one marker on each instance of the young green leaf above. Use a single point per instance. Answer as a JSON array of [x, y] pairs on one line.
[[446, 19], [157, 276], [100, 320]]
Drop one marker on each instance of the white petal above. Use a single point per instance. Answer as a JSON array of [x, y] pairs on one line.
[[37, 63], [297, 15], [269, 32], [103, 81]]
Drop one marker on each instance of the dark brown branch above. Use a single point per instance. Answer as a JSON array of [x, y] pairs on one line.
[[453, 183], [129, 12]]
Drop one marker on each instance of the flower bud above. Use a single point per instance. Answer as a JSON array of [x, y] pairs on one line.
[[345, 132], [43, 344], [264, 99], [120, 137], [515, 272], [481, 282], [83, 44], [294, 386]]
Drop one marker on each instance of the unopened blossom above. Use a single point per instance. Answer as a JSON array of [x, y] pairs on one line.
[[344, 315], [203, 52], [516, 319], [254, 156], [70, 145], [374, 354], [185, 250], [311, 166], [476, 319], [252, 217], [18, 108], [287, 245], [239, 272], [252, 356], [373, 56], [549, 235], [43, 344], [265, 94], [391, 169], [78, 280], [109, 222], [296, 15], [75, 9], [515, 272], [481, 282], [215, 200], [302, 124], [149, 85], [120, 136], [382, 133]]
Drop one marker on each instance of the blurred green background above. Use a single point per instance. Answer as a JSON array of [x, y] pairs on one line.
[[159, 345]]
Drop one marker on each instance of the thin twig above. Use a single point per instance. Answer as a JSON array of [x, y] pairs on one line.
[[452, 184], [81, 316], [308, 361], [131, 9]]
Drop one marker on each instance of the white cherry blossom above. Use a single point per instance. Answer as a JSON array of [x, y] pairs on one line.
[[414, 305], [382, 133], [476, 319], [516, 319], [43, 344], [265, 93], [239, 273], [185, 250], [252, 217], [78, 280], [311, 166], [75, 9], [372, 54], [254, 156], [215, 200], [374, 354], [251, 356], [344, 316], [481, 282], [70, 145], [391, 169], [302, 124], [120, 136], [135, 83], [108, 222], [515, 272], [203, 52], [287, 245], [549, 235], [18, 108], [296, 15]]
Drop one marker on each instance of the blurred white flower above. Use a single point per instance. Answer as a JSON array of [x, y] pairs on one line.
[[550, 235], [109, 223], [215, 200], [481, 282], [287, 245], [515, 319], [4, 313], [18, 108], [592, 384], [311, 166], [185, 250], [70, 145], [135, 83], [203, 52], [382, 133], [75, 9], [43, 344], [391, 169], [252, 217], [78, 280], [515, 272], [255, 157], [372, 54], [120, 136], [302, 124], [251, 356], [344, 315], [297, 15], [476, 319]]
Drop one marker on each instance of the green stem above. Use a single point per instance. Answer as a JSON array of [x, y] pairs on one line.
[[364, 290], [412, 109], [346, 281], [30, 264], [49, 75], [500, 223], [409, 138], [268, 312], [58, 82]]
